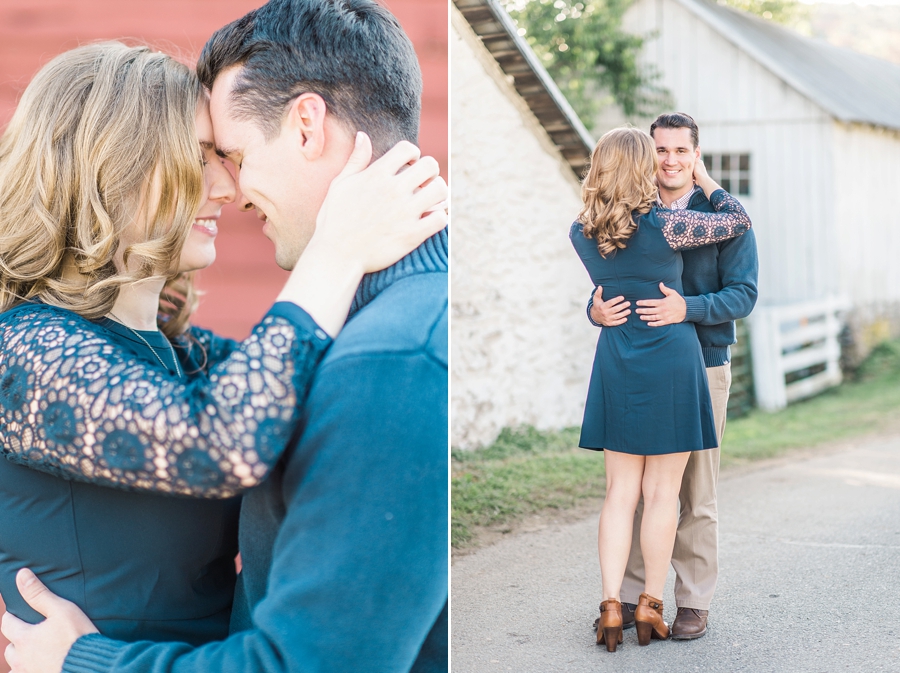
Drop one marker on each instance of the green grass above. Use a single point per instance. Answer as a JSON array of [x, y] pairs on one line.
[[526, 471], [869, 403], [523, 472]]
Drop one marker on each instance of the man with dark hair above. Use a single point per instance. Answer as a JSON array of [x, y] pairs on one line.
[[344, 547], [677, 120], [720, 287], [290, 67], [353, 54]]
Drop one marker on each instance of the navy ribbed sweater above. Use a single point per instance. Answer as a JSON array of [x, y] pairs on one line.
[[719, 287]]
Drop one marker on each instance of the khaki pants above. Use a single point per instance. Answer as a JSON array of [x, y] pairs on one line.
[[695, 557]]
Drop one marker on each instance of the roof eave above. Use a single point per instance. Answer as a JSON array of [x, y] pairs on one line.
[[775, 66], [497, 31]]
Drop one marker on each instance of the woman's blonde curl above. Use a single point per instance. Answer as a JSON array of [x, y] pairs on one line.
[[103, 139], [619, 183]]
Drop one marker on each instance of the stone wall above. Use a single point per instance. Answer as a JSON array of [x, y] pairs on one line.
[[522, 347]]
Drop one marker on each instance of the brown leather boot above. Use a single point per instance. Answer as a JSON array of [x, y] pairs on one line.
[[627, 617], [648, 620], [689, 623], [609, 626]]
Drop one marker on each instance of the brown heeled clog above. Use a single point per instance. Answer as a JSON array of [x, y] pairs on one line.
[[648, 620], [609, 626]]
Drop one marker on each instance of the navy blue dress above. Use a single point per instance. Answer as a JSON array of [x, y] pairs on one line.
[[82, 402], [649, 393]]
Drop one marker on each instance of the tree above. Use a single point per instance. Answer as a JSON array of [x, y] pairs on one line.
[[787, 12], [595, 63], [592, 60]]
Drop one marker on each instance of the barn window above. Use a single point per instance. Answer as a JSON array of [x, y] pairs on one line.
[[732, 171]]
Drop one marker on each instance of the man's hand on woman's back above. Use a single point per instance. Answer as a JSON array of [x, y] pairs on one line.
[[609, 313], [42, 648], [669, 310]]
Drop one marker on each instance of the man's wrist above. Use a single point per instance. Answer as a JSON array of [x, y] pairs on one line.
[[694, 309], [93, 653], [590, 307]]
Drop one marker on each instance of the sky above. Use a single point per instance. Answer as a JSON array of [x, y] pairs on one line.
[[849, 2]]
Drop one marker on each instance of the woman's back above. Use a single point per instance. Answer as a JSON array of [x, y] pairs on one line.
[[636, 271], [142, 566]]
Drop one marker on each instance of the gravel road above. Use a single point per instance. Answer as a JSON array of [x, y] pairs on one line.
[[809, 581]]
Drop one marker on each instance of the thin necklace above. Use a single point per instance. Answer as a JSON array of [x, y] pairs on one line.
[[138, 335]]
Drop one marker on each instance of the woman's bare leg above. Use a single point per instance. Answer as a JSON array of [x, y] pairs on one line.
[[624, 473], [660, 487]]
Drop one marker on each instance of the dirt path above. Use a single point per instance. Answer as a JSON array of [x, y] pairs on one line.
[[810, 581]]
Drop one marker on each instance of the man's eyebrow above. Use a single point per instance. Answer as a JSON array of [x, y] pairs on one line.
[[205, 144], [226, 152]]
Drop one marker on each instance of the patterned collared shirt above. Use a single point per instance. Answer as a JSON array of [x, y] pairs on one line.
[[680, 203]]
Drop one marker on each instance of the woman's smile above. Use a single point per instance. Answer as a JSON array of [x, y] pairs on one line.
[[206, 225]]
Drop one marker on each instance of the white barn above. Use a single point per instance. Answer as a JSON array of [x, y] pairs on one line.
[[810, 134], [522, 347]]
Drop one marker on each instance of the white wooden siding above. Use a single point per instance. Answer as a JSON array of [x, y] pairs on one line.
[[867, 178], [740, 106], [711, 78]]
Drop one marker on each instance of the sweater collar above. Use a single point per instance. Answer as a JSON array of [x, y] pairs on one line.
[[430, 257], [698, 198]]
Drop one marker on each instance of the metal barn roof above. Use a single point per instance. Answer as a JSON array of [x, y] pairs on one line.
[[531, 80], [850, 86]]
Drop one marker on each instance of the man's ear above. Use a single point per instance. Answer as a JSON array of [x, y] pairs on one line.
[[697, 153], [306, 121]]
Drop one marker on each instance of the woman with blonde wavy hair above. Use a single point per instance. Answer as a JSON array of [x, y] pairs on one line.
[[648, 402], [110, 189]]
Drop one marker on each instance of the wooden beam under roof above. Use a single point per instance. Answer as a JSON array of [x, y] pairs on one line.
[[531, 80]]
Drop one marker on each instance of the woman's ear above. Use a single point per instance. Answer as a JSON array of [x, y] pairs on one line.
[[306, 122]]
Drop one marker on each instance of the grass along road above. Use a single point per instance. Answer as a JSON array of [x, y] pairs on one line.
[[526, 471]]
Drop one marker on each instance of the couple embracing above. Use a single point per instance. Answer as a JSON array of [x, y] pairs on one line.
[[658, 232], [128, 433]]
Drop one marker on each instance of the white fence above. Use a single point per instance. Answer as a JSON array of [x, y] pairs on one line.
[[796, 342]]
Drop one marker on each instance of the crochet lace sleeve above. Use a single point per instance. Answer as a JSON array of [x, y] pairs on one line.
[[215, 348], [74, 404], [686, 229]]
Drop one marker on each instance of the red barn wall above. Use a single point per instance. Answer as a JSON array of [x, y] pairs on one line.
[[242, 284]]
